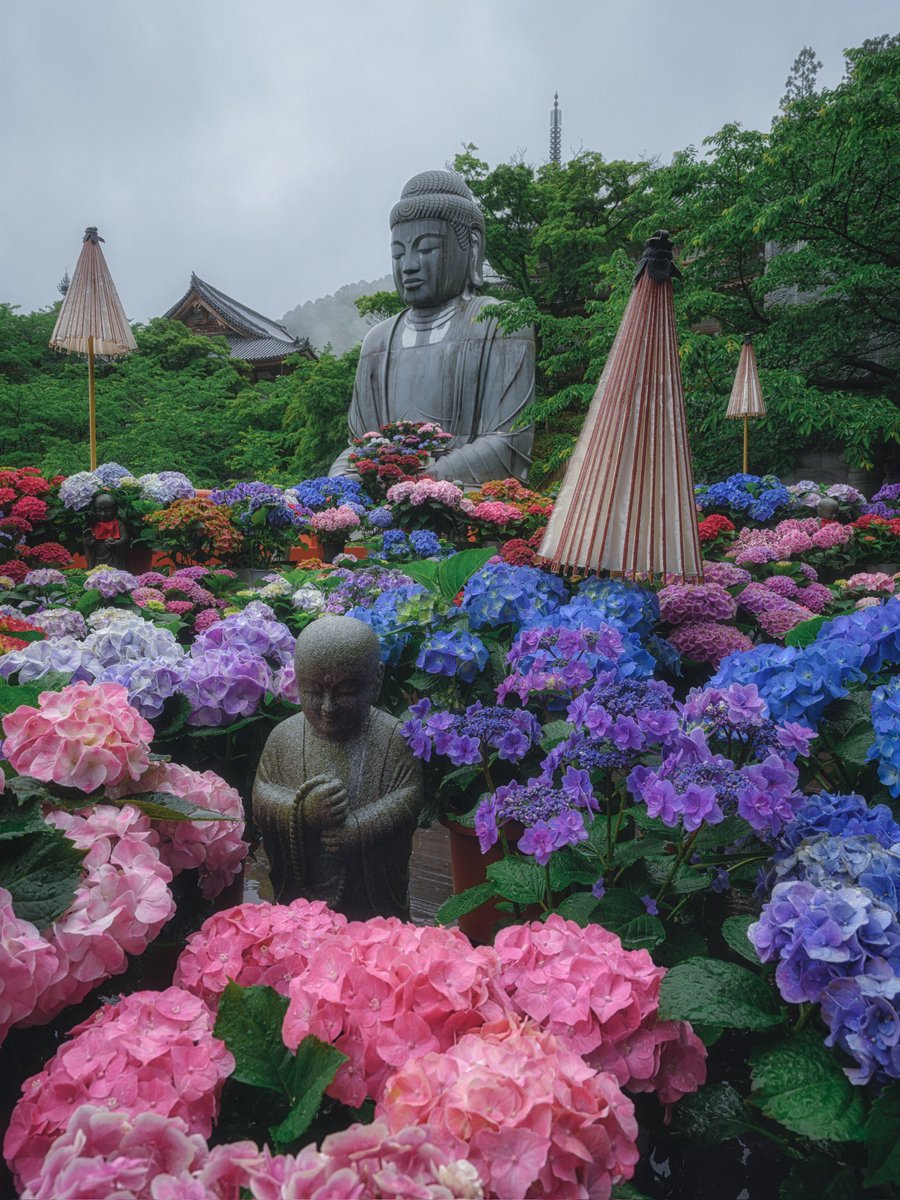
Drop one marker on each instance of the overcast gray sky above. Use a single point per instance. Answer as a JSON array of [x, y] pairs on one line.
[[261, 143]]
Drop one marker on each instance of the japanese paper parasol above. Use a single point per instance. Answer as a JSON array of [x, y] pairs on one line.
[[626, 504], [746, 395], [91, 320]]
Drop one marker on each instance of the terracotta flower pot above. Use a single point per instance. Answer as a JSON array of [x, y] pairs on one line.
[[468, 868]]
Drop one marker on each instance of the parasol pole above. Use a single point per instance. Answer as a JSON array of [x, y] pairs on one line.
[[746, 441], [92, 404]]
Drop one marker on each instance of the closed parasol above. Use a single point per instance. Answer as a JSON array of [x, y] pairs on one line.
[[91, 320], [746, 395], [626, 504]]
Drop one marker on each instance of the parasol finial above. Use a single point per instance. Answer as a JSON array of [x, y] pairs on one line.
[[91, 235], [657, 259]]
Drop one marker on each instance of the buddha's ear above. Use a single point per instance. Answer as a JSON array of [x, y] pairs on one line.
[[476, 258]]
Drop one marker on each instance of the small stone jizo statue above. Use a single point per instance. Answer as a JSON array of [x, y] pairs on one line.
[[106, 536], [338, 792]]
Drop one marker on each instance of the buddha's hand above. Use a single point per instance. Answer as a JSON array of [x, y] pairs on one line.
[[324, 801]]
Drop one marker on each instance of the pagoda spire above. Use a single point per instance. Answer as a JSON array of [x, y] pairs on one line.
[[555, 130]]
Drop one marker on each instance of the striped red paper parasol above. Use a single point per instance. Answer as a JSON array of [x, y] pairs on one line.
[[746, 395], [626, 504], [91, 320]]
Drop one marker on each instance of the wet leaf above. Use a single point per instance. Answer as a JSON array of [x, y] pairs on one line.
[[41, 871], [715, 1114], [518, 880], [712, 992], [734, 931], [799, 1082], [883, 1139], [464, 902]]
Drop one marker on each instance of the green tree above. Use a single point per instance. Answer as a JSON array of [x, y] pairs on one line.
[[315, 416]]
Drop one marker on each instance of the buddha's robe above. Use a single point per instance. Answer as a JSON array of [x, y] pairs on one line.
[[465, 374], [384, 787]]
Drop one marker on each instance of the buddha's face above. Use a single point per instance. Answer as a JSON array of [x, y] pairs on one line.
[[105, 508], [337, 701], [430, 266]]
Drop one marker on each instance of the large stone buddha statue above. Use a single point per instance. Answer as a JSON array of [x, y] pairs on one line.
[[437, 361]]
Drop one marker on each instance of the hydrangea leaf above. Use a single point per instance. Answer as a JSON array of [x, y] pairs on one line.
[[799, 1082], [712, 992], [164, 806], [555, 732], [91, 599], [883, 1163], [452, 573], [734, 931], [41, 872], [714, 1114], [617, 908], [18, 818], [423, 571], [314, 1067], [464, 902], [12, 695], [805, 633], [642, 933], [680, 943], [579, 908], [517, 880], [568, 867]]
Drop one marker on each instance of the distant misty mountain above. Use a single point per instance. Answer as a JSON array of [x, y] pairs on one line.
[[333, 319]]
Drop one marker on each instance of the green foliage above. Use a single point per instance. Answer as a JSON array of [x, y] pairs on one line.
[[799, 1082], [464, 902], [40, 869], [734, 931], [518, 880], [315, 416], [711, 992], [379, 306], [249, 1022], [883, 1165]]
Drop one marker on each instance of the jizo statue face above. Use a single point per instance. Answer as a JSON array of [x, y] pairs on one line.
[[430, 266], [336, 702], [104, 508]]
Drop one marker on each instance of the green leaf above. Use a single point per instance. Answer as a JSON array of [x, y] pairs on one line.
[[714, 1114], [12, 695], [579, 908], [799, 1082], [734, 931], [680, 943], [820, 1179], [464, 902], [18, 819], [628, 853], [314, 1067], [711, 837], [555, 732], [639, 815], [175, 714], [249, 1022], [453, 572], [883, 1162], [423, 571], [568, 867], [713, 992], [642, 933], [805, 633], [91, 599], [164, 806], [41, 871], [518, 880], [627, 1191], [617, 908]]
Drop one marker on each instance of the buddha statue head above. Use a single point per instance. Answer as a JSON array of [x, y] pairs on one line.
[[339, 671], [437, 240]]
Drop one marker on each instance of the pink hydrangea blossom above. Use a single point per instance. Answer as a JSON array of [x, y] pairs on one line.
[[682, 602], [831, 535], [216, 847], [775, 614], [815, 596], [529, 1114], [725, 574], [120, 905], [85, 736], [119, 1154], [204, 619], [495, 512], [603, 1000], [871, 581], [783, 585], [384, 991], [333, 520], [152, 1052], [254, 944], [421, 490], [707, 641], [27, 964], [367, 1162]]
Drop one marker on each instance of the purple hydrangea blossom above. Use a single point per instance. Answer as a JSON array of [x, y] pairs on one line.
[[818, 934], [266, 639], [468, 739], [60, 622], [45, 577], [767, 794], [78, 490], [863, 1016], [127, 641], [109, 582], [223, 684], [149, 681], [110, 474], [547, 813], [60, 654]]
